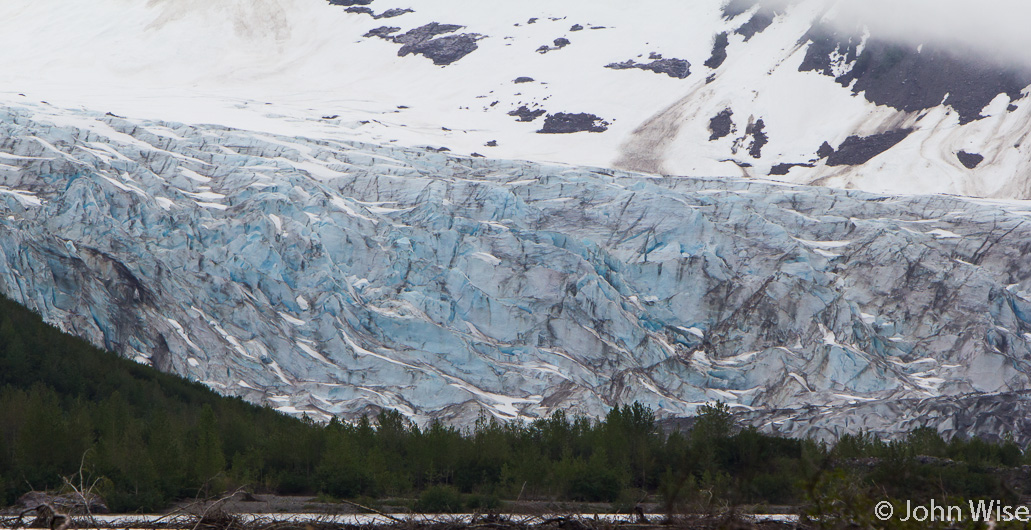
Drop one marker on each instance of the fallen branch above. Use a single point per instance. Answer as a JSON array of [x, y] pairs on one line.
[[377, 512]]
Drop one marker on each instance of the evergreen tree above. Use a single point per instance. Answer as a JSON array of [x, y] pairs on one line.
[[208, 460]]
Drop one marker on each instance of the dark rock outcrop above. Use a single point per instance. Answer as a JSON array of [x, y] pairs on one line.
[[390, 13], [721, 125], [784, 168], [525, 114], [970, 160], [761, 20], [908, 78], [393, 12], [424, 40], [558, 43], [382, 32], [676, 68], [562, 122], [825, 150], [426, 32], [759, 138], [856, 150], [443, 50], [719, 51]]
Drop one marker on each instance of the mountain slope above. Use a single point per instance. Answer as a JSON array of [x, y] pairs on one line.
[[145, 438], [339, 278], [796, 91]]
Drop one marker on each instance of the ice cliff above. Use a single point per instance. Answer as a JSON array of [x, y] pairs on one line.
[[337, 278]]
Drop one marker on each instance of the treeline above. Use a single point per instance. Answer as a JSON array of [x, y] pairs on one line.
[[150, 438]]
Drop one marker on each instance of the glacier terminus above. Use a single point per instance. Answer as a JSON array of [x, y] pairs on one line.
[[333, 277]]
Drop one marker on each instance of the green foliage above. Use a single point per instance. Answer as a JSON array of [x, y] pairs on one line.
[[208, 459], [340, 474], [627, 500], [594, 480], [838, 499], [439, 499], [483, 503], [714, 422], [152, 438], [677, 491]]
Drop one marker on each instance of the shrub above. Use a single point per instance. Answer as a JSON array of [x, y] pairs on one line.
[[439, 499], [483, 503]]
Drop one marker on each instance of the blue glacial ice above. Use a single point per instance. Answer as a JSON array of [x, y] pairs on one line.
[[339, 278]]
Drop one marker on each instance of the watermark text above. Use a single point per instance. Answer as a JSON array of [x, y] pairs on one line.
[[932, 512]]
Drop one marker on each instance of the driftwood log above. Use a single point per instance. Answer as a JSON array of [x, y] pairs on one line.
[[68, 503]]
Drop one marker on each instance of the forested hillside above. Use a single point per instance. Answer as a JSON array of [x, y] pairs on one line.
[[152, 438]]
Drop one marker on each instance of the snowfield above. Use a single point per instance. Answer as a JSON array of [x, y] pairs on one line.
[[306, 67]]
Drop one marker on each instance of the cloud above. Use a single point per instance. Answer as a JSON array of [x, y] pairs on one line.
[[993, 29]]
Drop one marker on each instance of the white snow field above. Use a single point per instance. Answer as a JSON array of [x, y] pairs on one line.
[[303, 67]]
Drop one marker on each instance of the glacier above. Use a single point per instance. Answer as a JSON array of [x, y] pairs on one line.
[[336, 277]]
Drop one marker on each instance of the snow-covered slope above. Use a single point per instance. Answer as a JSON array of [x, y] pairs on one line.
[[341, 277], [704, 87]]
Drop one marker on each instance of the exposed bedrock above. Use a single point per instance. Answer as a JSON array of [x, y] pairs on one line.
[[911, 78]]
